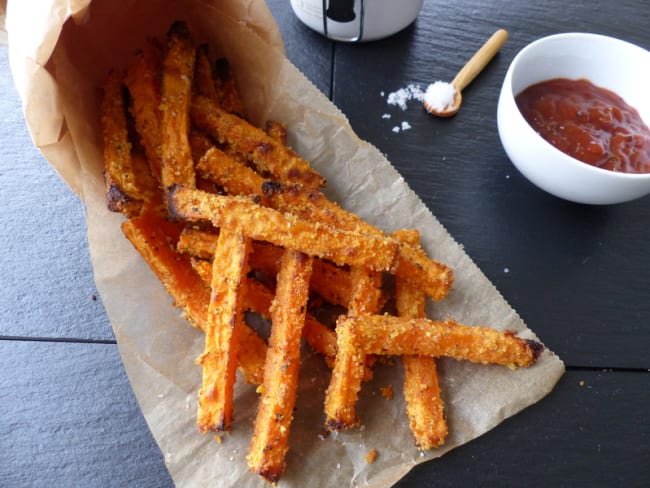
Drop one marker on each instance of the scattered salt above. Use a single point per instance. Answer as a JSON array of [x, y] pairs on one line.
[[396, 129], [506, 270], [385, 116], [406, 125], [440, 95], [404, 95]]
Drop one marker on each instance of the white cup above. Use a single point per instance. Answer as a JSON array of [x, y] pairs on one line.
[[356, 20]]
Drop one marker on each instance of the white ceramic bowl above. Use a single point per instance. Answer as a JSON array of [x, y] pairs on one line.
[[607, 62]]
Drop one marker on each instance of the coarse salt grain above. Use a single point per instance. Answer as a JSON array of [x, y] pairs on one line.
[[440, 95], [404, 95]]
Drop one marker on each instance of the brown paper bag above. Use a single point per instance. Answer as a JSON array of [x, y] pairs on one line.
[[60, 52]]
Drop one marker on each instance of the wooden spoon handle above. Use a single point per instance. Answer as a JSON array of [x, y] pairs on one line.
[[482, 57]]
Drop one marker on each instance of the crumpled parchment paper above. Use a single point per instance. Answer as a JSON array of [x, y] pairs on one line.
[[60, 52]]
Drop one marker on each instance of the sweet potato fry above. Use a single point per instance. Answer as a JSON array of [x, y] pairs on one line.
[[331, 282], [270, 442], [265, 152], [203, 74], [154, 238], [261, 223], [424, 405], [231, 175], [310, 204], [224, 319], [386, 334], [226, 89], [142, 81], [177, 76], [258, 298], [121, 191], [277, 130], [352, 366]]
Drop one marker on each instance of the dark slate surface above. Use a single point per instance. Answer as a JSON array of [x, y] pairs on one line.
[[578, 275], [69, 418], [47, 282]]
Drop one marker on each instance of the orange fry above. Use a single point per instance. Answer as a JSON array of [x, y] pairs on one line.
[[261, 223], [424, 405], [226, 88], [269, 155], [233, 176], [351, 366], [309, 204], [224, 319], [270, 442], [277, 130], [178, 73], [331, 282], [258, 298], [203, 82], [142, 81], [121, 191], [154, 238], [386, 334]]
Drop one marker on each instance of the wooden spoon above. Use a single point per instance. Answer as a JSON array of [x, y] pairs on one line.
[[465, 76]]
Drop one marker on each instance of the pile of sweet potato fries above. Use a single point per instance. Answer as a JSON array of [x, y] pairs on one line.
[[232, 220]]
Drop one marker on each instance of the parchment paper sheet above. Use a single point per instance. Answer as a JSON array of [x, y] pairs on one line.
[[60, 52]]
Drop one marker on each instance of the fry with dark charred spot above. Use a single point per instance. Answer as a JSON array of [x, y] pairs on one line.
[[265, 152]]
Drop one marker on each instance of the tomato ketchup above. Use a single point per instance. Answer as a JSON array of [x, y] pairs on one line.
[[589, 123]]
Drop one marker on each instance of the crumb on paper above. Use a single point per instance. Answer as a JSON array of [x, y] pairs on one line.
[[387, 392], [371, 456], [217, 438]]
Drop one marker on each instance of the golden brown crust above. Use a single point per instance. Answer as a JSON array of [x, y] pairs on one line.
[[258, 298], [283, 230], [386, 334], [236, 178], [330, 282], [122, 193], [424, 405], [270, 441], [226, 88], [143, 82], [264, 151], [351, 365], [177, 76], [223, 321]]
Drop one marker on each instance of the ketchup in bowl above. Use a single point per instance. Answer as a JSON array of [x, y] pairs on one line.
[[589, 123]]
